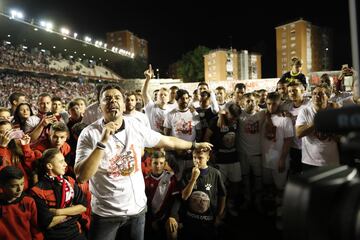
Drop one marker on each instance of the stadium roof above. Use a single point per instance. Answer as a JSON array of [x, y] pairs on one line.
[[30, 35]]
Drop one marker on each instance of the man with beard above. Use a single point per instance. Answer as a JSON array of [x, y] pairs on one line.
[[109, 156], [181, 122], [130, 109]]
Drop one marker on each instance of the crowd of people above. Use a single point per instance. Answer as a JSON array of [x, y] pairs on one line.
[[163, 165]]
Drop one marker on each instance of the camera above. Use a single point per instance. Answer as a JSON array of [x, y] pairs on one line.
[[324, 203]]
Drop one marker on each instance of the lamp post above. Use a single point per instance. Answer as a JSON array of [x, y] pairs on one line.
[[157, 73]]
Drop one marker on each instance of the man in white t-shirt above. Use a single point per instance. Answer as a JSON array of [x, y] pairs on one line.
[[109, 157], [130, 109], [182, 122], [318, 149], [275, 147], [292, 109], [156, 111]]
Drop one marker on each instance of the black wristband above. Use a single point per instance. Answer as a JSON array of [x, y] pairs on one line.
[[100, 145]]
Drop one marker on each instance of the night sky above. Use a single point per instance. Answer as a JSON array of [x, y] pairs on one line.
[[174, 28]]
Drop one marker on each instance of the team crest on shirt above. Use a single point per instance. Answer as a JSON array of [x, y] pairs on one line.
[[208, 186], [183, 127], [123, 164]]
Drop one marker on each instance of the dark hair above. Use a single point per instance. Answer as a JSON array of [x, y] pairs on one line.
[[56, 99], [130, 93], [10, 172], [240, 86], [234, 109], [80, 99], [273, 96], [158, 154], [15, 97], [180, 93], [59, 127], [203, 83], [220, 88], [325, 78], [72, 104], [201, 150], [174, 88], [77, 128], [282, 81], [296, 61], [46, 158], [17, 119], [296, 83], [41, 95], [109, 87], [98, 90]]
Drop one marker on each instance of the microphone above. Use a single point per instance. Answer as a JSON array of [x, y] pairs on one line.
[[343, 120]]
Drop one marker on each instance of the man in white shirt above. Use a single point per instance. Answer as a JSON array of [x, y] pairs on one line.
[[109, 157], [130, 109]]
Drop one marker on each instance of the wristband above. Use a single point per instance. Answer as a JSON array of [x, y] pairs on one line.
[[100, 145]]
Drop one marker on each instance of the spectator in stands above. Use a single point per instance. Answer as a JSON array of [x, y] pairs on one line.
[[82, 104], [115, 175], [22, 112], [58, 110], [5, 114], [15, 99], [59, 199], [37, 125], [18, 212], [239, 91], [15, 151], [75, 114], [204, 194], [295, 72]]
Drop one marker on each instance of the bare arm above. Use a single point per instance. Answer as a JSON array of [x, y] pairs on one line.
[[56, 220], [86, 168], [172, 143], [186, 192], [149, 73], [69, 211], [304, 130], [36, 132]]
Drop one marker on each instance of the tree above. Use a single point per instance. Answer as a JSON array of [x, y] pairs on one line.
[[191, 66]]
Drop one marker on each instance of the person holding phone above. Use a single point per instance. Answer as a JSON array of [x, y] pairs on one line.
[[15, 151]]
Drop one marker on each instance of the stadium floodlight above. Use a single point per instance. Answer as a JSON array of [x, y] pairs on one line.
[[105, 45], [16, 14], [132, 55], [54, 47], [47, 25], [65, 31], [84, 54], [40, 43], [65, 50], [9, 35], [24, 47], [43, 50], [7, 42], [105, 50], [75, 35], [35, 29], [64, 38], [87, 39]]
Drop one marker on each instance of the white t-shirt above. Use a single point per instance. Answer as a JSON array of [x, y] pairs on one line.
[[171, 106], [182, 124], [249, 132], [295, 112], [141, 117], [316, 152], [271, 150], [156, 116], [117, 187]]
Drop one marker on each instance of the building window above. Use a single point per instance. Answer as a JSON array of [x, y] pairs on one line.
[[292, 45], [283, 46], [293, 38]]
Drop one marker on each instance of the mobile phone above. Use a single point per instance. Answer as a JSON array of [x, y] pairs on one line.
[[49, 113], [16, 134]]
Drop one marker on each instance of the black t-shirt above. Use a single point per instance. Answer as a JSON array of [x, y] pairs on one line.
[[289, 78], [224, 141], [200, 207], [205, 116]]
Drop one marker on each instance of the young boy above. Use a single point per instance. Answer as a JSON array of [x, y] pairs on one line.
[[161, 191], [18, 213], [204, 194], [58, 199]]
